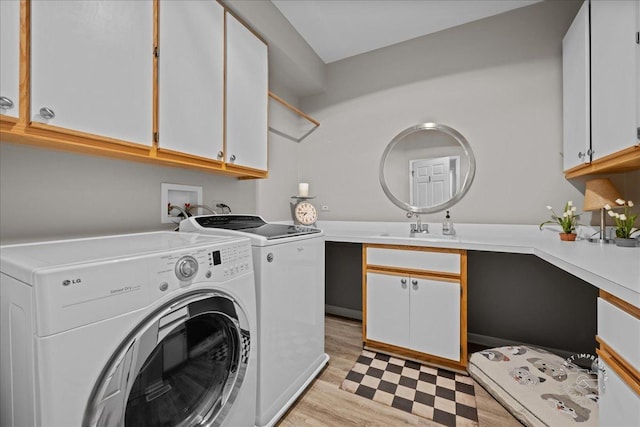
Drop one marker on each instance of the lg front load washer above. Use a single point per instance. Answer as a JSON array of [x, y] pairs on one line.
[[151, 329], [288, 261]]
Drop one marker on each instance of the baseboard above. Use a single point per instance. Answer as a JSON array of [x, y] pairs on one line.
[[343, 312], [488, 341]]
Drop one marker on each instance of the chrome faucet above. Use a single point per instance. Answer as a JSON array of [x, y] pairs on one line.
[[184, 213], [418, 227]]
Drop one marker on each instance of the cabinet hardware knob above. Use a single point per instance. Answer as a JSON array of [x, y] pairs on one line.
[[581, 154], [5, 102], [220, 154], [47, 113], [414, 282], [403, 281], [233, 157]]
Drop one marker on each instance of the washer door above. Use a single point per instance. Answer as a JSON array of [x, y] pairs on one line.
[[182, 366]]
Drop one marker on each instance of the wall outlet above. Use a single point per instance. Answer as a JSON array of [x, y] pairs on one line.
[[177, 195]]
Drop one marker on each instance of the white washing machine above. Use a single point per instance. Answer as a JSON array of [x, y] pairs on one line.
[[151, 329], [289, 266]]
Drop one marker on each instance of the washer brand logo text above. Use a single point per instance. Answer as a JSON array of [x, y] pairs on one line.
[[71, 282]]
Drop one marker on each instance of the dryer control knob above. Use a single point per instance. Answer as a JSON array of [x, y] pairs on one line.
[[186, 268]]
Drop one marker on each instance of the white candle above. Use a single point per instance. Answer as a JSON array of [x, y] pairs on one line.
[[303, 189]]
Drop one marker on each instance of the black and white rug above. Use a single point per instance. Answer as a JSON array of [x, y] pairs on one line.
[[436, 394]]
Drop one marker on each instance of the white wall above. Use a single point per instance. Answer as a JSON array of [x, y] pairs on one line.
[[47, 194], [497, 81]]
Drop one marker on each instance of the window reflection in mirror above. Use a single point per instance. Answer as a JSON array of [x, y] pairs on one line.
[[427, 168]]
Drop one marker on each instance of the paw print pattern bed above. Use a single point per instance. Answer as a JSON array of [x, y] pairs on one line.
[[539, 388]]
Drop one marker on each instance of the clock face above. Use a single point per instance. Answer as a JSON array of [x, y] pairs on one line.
[[306, 213]]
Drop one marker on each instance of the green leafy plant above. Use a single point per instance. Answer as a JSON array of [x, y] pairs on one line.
[[624, 221], [568, 220]]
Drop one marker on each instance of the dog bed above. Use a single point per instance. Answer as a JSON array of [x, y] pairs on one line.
[[538, 387]]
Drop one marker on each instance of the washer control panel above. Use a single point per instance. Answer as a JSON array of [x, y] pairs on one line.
[[216, 263]]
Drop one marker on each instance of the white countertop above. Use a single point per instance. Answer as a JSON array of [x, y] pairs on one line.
[[606, 266]]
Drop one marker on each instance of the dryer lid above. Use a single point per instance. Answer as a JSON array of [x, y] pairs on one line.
[[253, 224]]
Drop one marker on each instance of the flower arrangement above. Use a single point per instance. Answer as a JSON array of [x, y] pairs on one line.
[[568, 220], [624, 221]]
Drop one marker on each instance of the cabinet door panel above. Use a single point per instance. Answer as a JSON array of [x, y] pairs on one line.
[[91, 63], [10, 56], [191, 77], [576, 108], [618, 405], [247, 97], [613, 76], [435, 318], [388, 309]]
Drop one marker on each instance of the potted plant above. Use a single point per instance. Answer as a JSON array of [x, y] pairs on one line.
[[568, 221], [624, 223]]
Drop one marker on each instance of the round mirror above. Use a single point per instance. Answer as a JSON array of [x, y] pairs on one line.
[[427, 168]]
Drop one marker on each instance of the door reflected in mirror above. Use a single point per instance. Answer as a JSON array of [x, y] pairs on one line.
[[427, 168]]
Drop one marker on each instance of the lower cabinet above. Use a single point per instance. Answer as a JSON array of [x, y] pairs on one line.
[[415, 303], [619, 353]]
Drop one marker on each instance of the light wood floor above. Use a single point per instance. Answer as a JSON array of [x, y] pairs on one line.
[[324, 404]]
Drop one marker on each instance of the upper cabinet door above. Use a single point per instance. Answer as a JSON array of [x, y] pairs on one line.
[[191, 77], [246, 97], [613, 75], [9, 57], [576, 89], [92, 67]]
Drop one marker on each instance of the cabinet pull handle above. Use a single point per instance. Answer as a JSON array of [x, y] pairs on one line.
[[5, 102], [220, 154], [232, 158], [47, 113]]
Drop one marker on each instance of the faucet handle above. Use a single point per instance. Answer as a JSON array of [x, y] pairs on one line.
[[414, 228], [424, 228]]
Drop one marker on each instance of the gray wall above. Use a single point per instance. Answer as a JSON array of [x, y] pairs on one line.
[[498, 81], [47, 194]]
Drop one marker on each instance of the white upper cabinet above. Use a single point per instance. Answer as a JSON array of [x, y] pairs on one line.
[[601, 81], [191, 78], [246, 97], [576, 91], [92, 67], [9, 57], [614, 76]]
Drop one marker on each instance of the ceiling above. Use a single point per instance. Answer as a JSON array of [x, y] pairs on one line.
[[338, 29]]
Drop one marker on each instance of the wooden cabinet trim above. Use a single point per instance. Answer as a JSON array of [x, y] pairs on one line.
[[621, 304], [408, 272], [415, 355], [624, 369], [622, 161]]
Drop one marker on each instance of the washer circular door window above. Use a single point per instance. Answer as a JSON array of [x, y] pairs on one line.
[[182, 366]]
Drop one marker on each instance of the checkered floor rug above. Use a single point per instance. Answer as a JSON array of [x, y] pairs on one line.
[[437, 394]]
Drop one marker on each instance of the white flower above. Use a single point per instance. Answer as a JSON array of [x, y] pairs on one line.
[[607, 206], [569, 203], [620, 201], [630, 203], [611, 213], [565, 214], [549, 207], [573, 209], [622, 217]]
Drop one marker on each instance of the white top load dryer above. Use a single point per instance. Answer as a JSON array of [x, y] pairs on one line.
[[288, 262]]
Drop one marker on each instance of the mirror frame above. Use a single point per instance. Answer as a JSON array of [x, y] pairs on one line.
[[466, 183]]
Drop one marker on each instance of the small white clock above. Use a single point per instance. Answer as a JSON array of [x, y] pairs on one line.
[[304, 212]]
